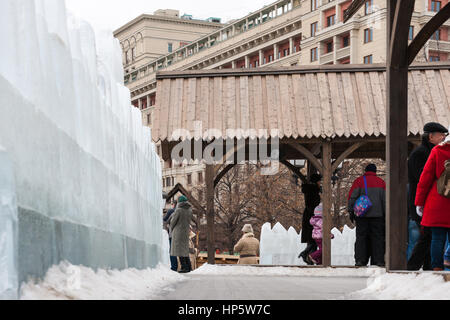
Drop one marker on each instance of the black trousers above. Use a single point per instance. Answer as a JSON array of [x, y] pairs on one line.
[[370, 241], [310, 248], [185, 264], [421, 255]]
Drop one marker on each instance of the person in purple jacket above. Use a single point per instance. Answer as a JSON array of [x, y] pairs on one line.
[[317, 234]]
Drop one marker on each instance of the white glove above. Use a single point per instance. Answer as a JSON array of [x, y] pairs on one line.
[[419, 211]]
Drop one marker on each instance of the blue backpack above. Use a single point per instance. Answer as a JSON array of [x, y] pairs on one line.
[[363, 204]]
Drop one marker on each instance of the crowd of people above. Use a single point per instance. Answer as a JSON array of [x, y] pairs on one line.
[[428, 212]]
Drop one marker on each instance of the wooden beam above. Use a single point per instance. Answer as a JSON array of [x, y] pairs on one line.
[[345, 154], [353, 8], [327, 202], [308, 155], [397, 132], [295, 170], [210, 214], [222, 173], [427, 31], [400, 32], [191, 198]]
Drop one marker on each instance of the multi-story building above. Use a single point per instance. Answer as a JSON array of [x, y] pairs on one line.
[[286, 33]]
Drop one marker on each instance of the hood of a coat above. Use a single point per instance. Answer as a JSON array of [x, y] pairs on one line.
[[249, 235], [184, 205]]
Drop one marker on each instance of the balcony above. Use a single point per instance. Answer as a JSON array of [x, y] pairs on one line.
[[327, 58], [440, 46], [343, 53]]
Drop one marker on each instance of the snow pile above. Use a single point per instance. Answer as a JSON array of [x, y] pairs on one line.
[[282, 247], [68, 282], [425, 286], [224, 270]]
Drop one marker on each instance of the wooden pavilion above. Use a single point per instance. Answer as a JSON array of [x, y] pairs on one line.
[[321, 114], [324, 115]]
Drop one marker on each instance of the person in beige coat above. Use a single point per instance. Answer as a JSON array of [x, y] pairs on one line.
[[248, 247]]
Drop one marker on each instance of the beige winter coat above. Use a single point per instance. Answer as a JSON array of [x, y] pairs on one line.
[[248, 246]]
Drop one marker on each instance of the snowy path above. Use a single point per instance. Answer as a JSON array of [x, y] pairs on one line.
[[246, 287]]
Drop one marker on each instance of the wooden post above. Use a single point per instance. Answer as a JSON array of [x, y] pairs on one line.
[[399, 18], [327, 201], [209, 177]]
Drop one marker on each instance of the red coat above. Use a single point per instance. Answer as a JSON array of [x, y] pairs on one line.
[[437, 207]]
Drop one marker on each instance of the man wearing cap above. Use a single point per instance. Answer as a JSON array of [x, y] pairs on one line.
[[420, 238], [370, 229]]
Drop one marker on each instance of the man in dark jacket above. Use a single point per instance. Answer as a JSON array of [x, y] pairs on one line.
[[420, 255], [173, 260], [312, 192], [370, 229]]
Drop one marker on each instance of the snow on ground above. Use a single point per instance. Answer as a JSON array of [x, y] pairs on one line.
[[425, 286], [287, 271], [67, 282]]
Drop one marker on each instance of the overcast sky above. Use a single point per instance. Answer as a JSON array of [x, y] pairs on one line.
[[113, 14]]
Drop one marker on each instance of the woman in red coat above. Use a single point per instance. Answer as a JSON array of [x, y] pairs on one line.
[[434, 207]]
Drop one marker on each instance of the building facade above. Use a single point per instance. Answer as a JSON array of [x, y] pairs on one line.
[[284, 33]]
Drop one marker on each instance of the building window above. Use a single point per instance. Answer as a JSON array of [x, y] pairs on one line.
[[265, 60], [435, 6], [313, 29], [189, 179], [314, 55], [368, 59], [368, 7], [345, 41], [314, 4], [133, 54], [434, 58], [149, 119], [170, 47], [173, 181], [286, 52], [368, 35], [329, 46], [168, 180], [411, 33], [331, 20], [436, 36], [200, 177]]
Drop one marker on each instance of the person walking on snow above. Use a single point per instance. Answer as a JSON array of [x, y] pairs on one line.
[[180, 224], [248, 247], [433, 201], [419, 242], [317, 235], [312, 192], [173, 260], [370, 229]]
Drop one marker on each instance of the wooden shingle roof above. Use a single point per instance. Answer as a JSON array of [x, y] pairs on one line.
[[306, 102]]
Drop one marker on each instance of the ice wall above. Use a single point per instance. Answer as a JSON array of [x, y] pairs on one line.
[[81, 155], [8, 230], [282, 247]]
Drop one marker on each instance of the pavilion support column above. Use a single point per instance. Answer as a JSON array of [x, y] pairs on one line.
[[327, 201], [399, 18], [209, 177]]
